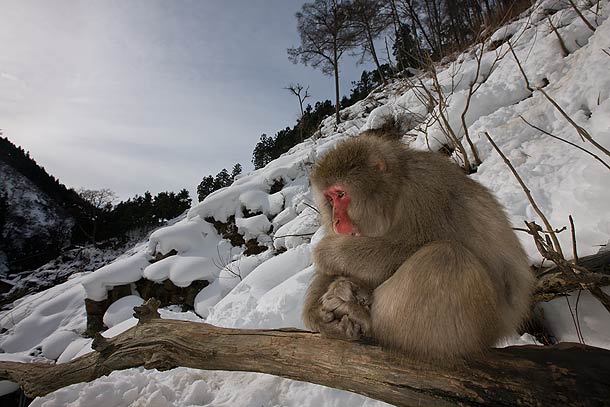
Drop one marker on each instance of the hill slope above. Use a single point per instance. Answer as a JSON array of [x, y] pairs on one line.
[[35, 221]]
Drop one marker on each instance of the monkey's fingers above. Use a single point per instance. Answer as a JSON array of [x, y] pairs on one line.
[[364, 297], [342, 288], [336, 305], [344, 329], [360, 316], [352, 330], [332, 330], [327, 316]]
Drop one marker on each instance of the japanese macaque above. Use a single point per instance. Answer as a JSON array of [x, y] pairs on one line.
[[415, 254]]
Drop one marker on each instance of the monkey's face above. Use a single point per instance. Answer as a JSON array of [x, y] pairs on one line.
[[355, 186], [339, 197]]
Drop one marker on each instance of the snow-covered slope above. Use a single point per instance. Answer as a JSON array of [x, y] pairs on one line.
[[32, 216], [273, 206]]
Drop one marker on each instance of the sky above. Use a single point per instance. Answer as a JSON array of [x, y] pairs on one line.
[[150, 95]]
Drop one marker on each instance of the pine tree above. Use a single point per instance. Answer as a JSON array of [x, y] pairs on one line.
[[236, 171], [406, 49], [222, 179], [261, 155], [205, 187], [3, 214]]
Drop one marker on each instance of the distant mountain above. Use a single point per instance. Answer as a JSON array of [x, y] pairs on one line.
[[38, 214]]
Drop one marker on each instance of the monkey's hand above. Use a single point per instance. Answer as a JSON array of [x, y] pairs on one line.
[[350, 306]]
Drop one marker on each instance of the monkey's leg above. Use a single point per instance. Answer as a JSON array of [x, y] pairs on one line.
[[350, 303], [440, 305]]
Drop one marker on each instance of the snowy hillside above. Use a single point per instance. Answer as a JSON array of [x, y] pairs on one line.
[[32, 215], [272, 208]]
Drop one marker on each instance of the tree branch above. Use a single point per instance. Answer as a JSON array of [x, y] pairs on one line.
[[544, 219], [515, 376]]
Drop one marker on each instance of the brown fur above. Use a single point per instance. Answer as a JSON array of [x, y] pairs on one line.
[[437, 273]]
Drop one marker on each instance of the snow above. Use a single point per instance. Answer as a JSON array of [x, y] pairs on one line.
[[229, 277], [189, 387], [592, 321], [184, 237], [262, 299], [122, 271], [61, 309], [182, 270], [121, 310], [266, 290], [253, 227]]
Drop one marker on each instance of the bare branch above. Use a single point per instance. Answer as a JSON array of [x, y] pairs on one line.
[[546, 222], [584, 134], [552, 250], [527, 82], [582, 17], [573, 232], [566, 141], [562, 45]]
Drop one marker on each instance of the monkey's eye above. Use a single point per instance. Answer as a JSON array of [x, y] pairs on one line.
[[329, 199], [340, 194]]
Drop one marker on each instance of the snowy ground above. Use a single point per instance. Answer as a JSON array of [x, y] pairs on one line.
[[266, 290]]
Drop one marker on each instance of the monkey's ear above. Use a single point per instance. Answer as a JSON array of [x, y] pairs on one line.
[[379, 164]]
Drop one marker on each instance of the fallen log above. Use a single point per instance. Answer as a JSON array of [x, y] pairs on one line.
[[565, 374]]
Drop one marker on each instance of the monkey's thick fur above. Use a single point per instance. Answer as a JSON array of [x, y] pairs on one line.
[[435, 270]]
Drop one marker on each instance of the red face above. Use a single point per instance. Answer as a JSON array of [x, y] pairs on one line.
[[339, 198]]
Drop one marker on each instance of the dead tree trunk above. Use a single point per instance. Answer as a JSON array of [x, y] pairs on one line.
[[517, 376]]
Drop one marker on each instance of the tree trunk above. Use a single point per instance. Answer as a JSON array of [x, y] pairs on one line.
[[516, 376], [336, 69], [415, 18], [374, 55]]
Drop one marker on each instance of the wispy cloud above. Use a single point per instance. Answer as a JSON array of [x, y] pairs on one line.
[[170, 91]]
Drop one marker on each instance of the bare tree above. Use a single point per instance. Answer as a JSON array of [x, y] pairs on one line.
[[296, 90], [370, 19], [408, 9], [100, 200], [326, 33]]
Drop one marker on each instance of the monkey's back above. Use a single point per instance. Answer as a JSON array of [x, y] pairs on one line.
[[449, 205]]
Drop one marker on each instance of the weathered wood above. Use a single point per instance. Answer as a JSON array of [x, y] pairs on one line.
[[552, 283], [566, 374]]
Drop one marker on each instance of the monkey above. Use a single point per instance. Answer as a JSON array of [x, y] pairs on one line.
[[415, 254]]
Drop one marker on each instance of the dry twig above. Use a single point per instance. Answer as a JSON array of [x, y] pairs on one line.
[[564, 50], [552, 250], [584, 134], [546, 222], [582, 17], [567, 142]]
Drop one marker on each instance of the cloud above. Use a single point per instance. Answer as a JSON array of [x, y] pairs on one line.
[[148, 94]]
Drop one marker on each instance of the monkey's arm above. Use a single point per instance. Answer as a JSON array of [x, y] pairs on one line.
[[369, 260], [313, 314]]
